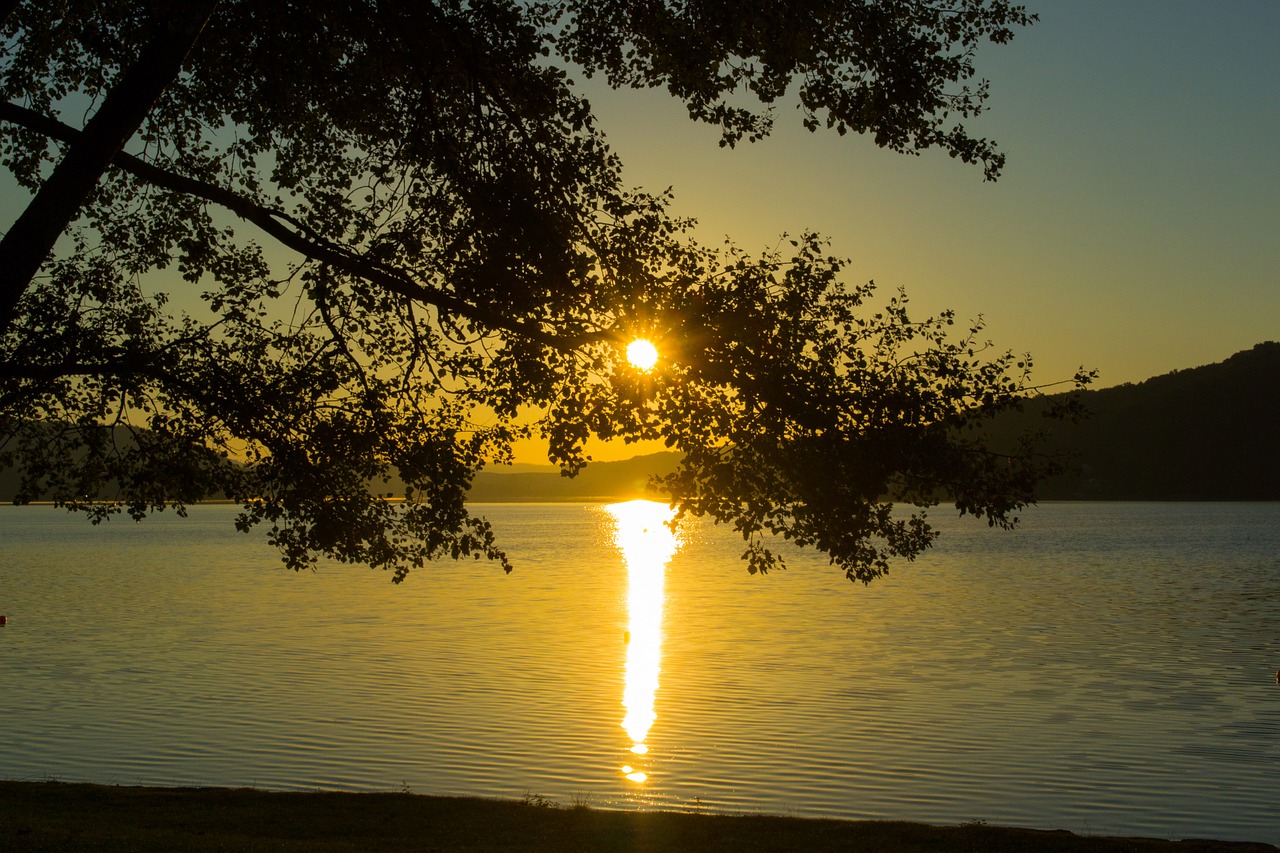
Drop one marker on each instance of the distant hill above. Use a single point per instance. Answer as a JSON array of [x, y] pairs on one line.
[[1205, 434], [599, 481], [1208, 433]]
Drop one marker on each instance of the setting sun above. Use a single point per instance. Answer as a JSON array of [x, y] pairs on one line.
[[642, 354]]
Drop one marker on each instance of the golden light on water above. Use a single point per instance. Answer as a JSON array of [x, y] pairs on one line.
[[647, 543], [642, 354]]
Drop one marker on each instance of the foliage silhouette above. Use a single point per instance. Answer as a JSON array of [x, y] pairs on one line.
[[412, 247]]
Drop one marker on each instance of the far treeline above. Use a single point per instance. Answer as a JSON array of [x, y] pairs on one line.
[[1204, 434], [1210, 433]]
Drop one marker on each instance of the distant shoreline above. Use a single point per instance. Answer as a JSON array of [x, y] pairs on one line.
[[489, 500], [80, 816]]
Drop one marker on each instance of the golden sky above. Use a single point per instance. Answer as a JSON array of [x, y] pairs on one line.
[[1136, 228]]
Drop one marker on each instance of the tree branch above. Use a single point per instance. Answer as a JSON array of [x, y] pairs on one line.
[[31, 238], [295, 235]]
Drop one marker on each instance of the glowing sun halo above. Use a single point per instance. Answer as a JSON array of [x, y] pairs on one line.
[[642, 354]]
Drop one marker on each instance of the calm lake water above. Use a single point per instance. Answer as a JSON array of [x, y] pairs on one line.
[[1106, 668]]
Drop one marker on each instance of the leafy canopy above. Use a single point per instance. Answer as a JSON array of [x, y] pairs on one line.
[[406, 233]]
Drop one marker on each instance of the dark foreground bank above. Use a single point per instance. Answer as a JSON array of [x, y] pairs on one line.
[[56, 816]]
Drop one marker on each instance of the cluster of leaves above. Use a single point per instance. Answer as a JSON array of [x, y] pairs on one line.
[[391, 231], [900, 71], [802, 413]]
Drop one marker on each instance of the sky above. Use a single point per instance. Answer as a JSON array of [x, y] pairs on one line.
[[1134, 231], [1136, 227]]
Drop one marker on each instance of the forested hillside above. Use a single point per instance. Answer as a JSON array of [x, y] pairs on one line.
[[1208, 433]]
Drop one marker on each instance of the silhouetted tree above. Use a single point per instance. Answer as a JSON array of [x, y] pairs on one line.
[[407, 234]]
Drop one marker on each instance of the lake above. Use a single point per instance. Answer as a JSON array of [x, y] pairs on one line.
[[1105, 668]]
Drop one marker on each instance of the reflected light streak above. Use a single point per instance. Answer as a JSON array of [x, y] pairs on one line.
[[646, 543]]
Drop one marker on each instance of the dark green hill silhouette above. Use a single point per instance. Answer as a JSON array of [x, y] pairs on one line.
[[1205, 434], [1208, 433]]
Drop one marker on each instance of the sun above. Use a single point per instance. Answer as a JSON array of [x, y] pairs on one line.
[[642, 354]]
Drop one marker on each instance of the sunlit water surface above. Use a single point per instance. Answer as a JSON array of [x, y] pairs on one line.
[[1107, 668]]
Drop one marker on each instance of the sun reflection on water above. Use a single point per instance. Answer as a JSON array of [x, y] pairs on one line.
[[647, 543]]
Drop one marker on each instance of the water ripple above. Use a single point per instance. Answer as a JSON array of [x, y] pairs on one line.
[[1105, 669]]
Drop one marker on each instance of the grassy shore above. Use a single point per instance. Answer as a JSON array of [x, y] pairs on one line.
[[57, 816]]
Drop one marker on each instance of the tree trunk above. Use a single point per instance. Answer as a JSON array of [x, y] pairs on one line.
[[55, 205]]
